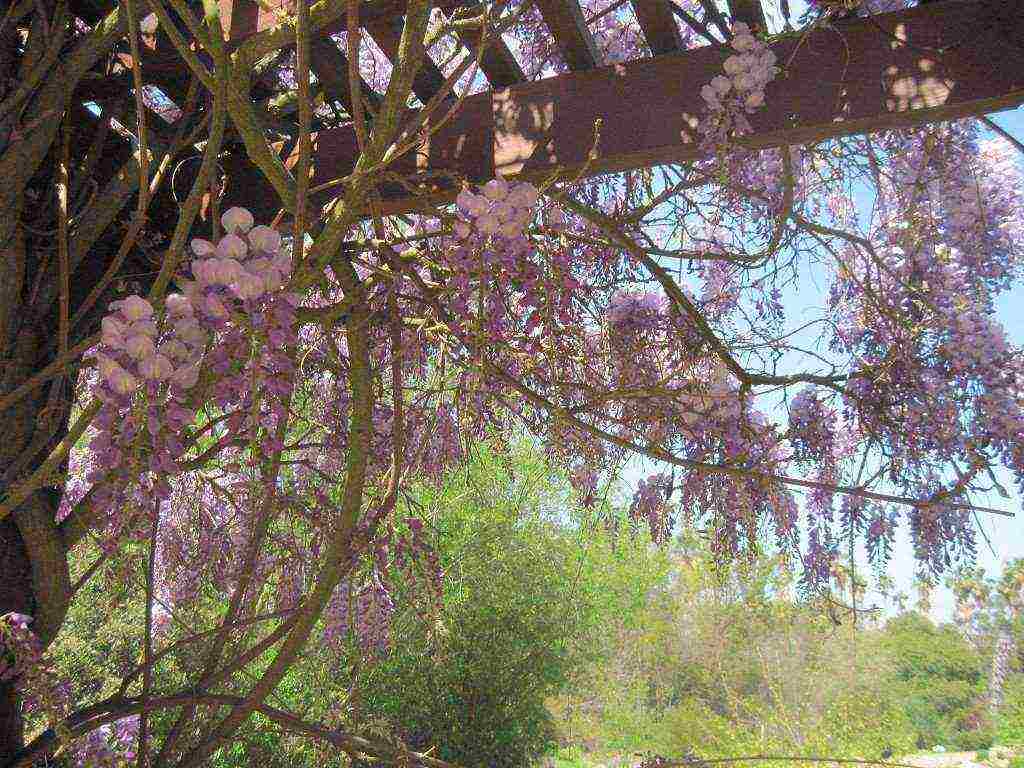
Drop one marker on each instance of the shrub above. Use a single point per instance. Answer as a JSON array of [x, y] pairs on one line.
[[939, 679], [1010, 724], [970, 741], [524, 603]]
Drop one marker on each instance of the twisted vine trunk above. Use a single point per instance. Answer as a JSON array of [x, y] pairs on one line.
[[1000, 667], [34, 575], [15, 591]]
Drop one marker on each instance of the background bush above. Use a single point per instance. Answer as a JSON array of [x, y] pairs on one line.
[[557, 636]]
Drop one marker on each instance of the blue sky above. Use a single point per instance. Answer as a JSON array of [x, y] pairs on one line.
[[1003, 538]]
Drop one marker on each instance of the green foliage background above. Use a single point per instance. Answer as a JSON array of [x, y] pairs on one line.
[[561, 640]]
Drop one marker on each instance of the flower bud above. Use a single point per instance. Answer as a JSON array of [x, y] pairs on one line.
[[743, 42], [215, 307], [474, 205], [226, 271], [148, 25], [142, 328], [106, 366], [488, 224], [190, 332], [203, 248], [265, 239], [122, 382], [185, 377], [232, 247], [524, 195], [156, 367], [201, 270], [510, 230], [248, 287], [503, 211], [179, 305], [733, 65], [496, 189], [236, 220], [113, 332], [721, 84], [283, 264], [272, 280], [134, 308], [174, 350], [139, 346]]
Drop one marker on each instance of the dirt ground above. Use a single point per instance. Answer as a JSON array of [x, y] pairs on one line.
[[940, 759]]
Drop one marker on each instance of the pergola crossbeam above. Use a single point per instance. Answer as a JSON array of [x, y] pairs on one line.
[[659, 25], [330, 65], [889, 76], [499, 65], [750, 12], [387, 33], [565, 20]]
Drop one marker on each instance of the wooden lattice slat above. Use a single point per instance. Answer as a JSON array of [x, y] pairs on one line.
[[497, 62], [750, 12], [387, 33], [659, 25], [330, 65], [565, 20]]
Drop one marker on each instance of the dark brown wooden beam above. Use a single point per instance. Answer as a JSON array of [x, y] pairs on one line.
[[162, 66], [750, 12], [659, 26], [875, 74], [387, 33], [331, 67], [245, 18], [497, 62], [565, 20]]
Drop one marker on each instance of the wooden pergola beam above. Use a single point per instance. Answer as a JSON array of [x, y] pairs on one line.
[[659, 26], [245, 18], [497, 62], [750, 12], [387, 33], [572, 36], [330, 65], [872, 74]]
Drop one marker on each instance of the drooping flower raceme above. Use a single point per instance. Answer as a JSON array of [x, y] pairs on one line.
[[739, 91]]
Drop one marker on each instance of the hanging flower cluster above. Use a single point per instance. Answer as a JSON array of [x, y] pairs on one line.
[[740, 91], [501, 209], [109, 746], [22, 662], [650, 506], [396, 557], [635, 312], [149, 366]]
